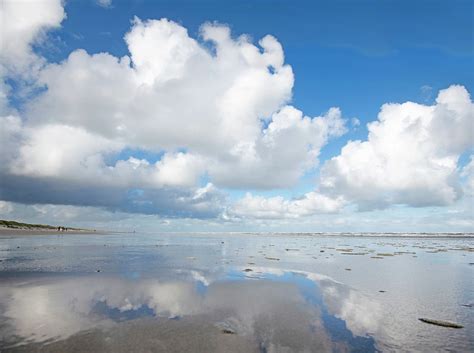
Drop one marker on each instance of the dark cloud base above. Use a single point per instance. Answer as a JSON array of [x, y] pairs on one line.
[[166, 202]]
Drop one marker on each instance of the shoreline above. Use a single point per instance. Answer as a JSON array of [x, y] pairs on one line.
[[5, 231], [39, 231]]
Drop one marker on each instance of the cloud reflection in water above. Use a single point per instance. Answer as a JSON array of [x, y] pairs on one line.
[[267, 310]]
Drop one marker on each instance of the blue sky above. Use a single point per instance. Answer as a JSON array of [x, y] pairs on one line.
[[354, 55]]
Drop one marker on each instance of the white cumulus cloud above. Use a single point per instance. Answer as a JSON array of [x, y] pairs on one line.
[[468, 174], [173, 93], [23, 24], [214, 108], [277, 207], [410, 157], [285, 150]]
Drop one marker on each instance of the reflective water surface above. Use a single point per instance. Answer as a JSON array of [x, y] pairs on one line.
[[233, 293]]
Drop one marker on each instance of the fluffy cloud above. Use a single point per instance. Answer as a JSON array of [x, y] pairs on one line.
[[25, 23], [410, 157], [138, 101], [75, 155], [216, 108], [59, 150], [287, 148], [213, 108], [172, 92], [277, 207], [468, 174]]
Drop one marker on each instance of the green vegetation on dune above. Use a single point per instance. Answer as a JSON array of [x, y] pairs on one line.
[[20, 225], [13, 224]]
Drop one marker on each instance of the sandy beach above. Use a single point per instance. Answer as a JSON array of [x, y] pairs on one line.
[[6, 232], [235, 292]]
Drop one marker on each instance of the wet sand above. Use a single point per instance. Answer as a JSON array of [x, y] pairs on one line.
[[235, 292]]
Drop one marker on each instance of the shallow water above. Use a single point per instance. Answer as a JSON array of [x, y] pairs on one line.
[[234, 293]]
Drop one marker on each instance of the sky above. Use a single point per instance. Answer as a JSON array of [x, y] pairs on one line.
[[279, 116]]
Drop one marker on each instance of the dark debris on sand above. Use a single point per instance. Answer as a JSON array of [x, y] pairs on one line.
[[441, 323]]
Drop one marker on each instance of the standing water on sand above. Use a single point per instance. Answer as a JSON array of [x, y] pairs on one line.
[[234, 293]]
